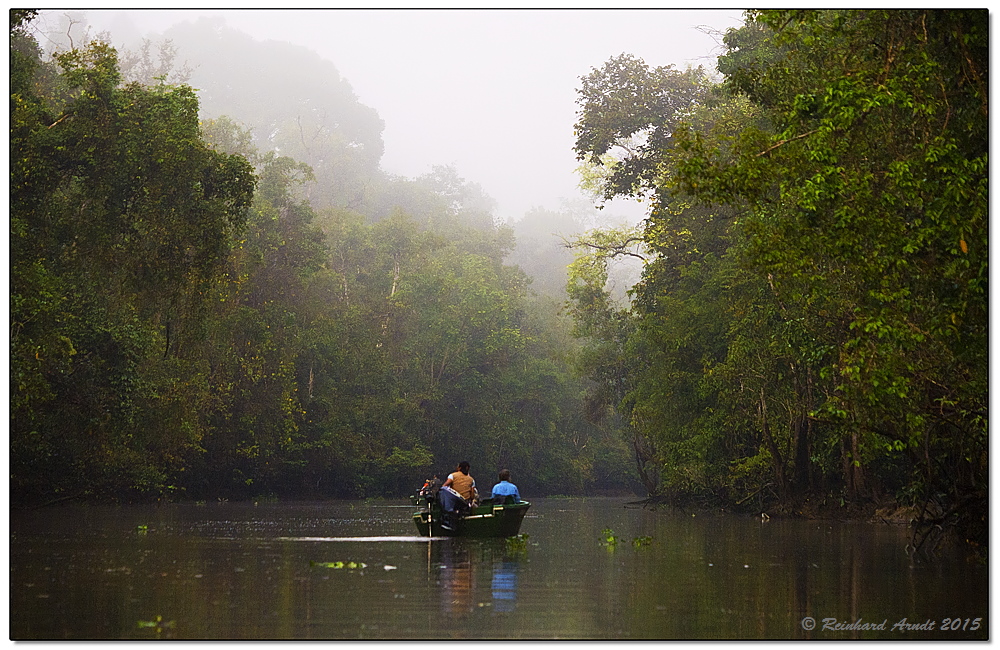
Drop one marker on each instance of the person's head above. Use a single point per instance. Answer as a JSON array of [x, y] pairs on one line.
[[505, 475], [464, 467]]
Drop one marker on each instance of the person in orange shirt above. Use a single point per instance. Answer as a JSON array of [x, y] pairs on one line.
[[457, 494], [461, 482]]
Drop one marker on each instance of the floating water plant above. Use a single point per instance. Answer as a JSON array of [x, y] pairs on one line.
[[517, 543], [339, 565], [610, 541], [157, 624]]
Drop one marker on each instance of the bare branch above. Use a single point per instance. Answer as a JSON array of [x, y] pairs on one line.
[[783, 142], [69, 29], [615, 250], [60, 120]]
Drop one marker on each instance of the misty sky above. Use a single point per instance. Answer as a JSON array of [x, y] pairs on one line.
[[491, 92]]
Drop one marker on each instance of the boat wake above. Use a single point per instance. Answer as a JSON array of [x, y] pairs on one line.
[[393, 538]]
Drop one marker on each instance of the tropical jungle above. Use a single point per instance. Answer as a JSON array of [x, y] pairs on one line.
[[212, 304]]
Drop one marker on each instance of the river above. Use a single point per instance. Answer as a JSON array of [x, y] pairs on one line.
[[357, 570]]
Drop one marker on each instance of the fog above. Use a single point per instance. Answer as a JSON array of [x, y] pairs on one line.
[[490, 92]]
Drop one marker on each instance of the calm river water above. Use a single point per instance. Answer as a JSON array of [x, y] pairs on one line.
[[357, 570]]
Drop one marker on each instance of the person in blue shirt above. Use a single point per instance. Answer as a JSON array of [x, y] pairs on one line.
[[505, 488]]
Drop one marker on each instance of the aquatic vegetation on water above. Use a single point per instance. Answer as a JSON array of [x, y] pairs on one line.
[[610, 541], [157, 624], [338, 565], [517, 543]]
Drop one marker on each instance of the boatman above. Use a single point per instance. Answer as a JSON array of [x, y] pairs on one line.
[[505, 488]]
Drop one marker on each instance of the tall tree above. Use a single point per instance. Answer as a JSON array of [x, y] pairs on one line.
[[835, 187], [867, 189], [121, 218], [310, 113]]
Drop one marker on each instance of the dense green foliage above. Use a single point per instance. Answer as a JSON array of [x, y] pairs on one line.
[[812, 320], [248, 306], [196, 316], [121, 218]]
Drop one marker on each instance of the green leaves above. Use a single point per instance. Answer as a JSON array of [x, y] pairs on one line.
[[184, 323], [630, 111], [859, 221], [840, 146], [122, 216]]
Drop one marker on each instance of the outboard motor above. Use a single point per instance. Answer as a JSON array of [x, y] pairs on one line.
[[428, 493]]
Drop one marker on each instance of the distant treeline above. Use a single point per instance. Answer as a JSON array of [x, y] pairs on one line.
[[195, 317]]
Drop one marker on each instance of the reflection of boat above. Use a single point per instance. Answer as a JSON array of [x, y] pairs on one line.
[[488, 519]]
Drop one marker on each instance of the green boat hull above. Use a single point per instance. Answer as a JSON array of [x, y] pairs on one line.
[[487, 520]]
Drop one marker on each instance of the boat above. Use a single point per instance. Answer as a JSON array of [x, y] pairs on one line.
[[499, 517], [488, 519]]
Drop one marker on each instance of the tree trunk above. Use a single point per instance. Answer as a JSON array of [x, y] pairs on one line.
[[776, 460], [802, 433], [801, 429]]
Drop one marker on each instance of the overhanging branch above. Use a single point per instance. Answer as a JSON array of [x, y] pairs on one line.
[[617, 249], [784, 142]]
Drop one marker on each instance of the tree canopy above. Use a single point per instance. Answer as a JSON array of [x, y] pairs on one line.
[[813, 324], [214, 296], [207, 304]]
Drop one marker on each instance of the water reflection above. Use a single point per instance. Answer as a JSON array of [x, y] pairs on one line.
[[460, 567], [504, 586], [457, 581], [284, 572], [801, 605]]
